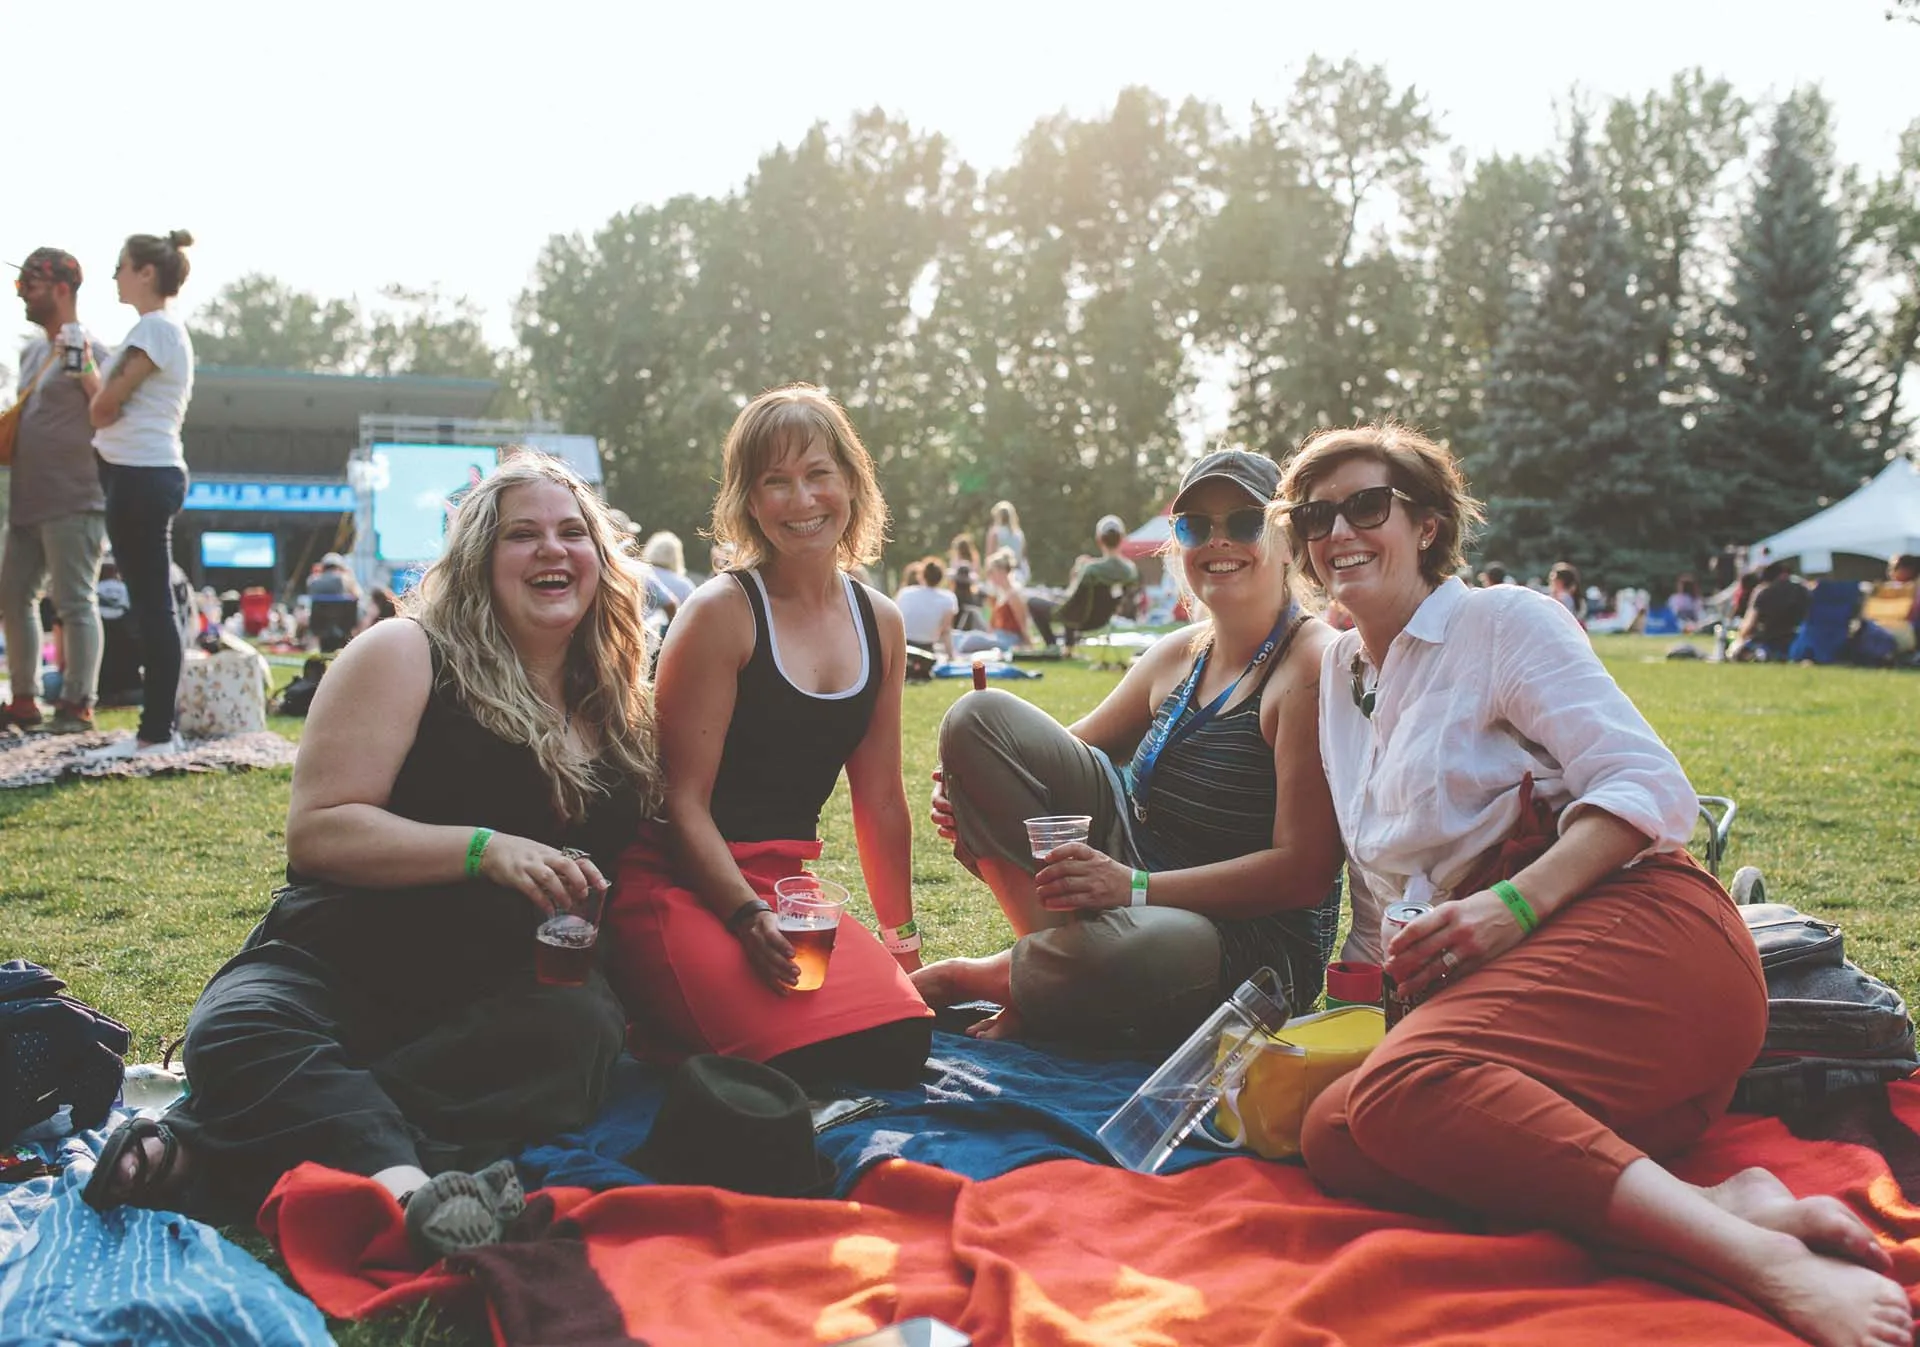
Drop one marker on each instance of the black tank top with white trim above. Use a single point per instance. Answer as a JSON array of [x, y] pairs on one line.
[[784, 747]]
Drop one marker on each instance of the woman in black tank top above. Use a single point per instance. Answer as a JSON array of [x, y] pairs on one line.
[[462, 776], [1213, 854], [774, 677]]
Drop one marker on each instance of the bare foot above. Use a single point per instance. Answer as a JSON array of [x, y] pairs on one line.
[[1003, 1023], [1826, 1225], [948, 982], [1831, 1303]]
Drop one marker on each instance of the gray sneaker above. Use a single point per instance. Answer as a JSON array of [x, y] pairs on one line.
[[66, 720]]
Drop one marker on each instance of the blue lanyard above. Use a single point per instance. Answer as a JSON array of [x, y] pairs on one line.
[[1173, 729]]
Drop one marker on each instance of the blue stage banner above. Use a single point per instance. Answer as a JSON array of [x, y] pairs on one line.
[[278, 497]]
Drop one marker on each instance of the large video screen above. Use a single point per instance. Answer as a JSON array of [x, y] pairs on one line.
[[416, 488], [236, 551]]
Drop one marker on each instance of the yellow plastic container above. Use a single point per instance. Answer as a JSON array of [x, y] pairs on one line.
[[1266, 1112]]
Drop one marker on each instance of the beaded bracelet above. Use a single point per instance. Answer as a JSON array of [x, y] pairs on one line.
[[1522, 910], [738, 919]]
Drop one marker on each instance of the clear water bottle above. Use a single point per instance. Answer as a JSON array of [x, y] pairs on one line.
[[151, 1085], [1720, 641], [1189, 1084]]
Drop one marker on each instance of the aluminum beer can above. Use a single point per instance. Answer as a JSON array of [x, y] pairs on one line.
[[1395, 919], [73, 342]]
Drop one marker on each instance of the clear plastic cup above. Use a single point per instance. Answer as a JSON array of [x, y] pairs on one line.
[[809, 911], [563, 950], [1056, 830]]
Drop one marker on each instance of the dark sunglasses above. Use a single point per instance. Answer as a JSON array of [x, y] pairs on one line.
[[1367, 508], [1243, 526]]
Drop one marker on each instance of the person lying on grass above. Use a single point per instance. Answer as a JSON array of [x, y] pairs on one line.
[[462, 776], [1588, 996], [1217, 856]]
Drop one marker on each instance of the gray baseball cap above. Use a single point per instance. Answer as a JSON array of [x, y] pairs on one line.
[[1255, 474]]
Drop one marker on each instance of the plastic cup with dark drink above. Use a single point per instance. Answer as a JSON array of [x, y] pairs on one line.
[[563, 951], [809, 910]]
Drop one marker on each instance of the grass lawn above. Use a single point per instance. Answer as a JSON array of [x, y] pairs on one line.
[[136, 891]]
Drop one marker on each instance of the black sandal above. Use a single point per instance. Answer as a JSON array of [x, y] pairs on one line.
[[147, 1187]]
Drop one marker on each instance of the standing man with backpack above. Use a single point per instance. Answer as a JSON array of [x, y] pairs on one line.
[[57, 514]]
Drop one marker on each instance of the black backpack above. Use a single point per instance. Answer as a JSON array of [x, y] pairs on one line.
[[54, 1050], [1830, 1026]]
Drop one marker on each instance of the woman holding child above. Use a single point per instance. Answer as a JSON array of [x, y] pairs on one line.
[[1218, 855], [462, 776], [775, 675], [1591, 996]]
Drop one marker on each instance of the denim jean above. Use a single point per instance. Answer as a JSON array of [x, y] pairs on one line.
[[141, 504]]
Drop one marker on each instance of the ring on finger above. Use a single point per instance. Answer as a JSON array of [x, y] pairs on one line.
[[1451, 960]]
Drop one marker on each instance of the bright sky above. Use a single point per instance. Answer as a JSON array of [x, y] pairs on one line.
[[346, 146]]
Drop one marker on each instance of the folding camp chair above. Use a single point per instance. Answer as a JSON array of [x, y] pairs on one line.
[[1088, 607]]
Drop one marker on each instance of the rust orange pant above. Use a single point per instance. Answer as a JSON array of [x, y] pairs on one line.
[[1617, 1030]]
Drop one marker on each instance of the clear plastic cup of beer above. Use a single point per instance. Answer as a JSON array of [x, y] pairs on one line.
[[808, 910], [1056, 830], [563, 951]]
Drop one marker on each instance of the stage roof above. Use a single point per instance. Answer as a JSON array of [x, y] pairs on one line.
[[227, 397]]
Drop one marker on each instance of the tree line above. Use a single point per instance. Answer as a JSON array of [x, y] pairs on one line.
[[1684, 328]]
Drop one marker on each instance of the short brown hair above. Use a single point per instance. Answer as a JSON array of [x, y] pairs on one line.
[[1424, 470], [770, 427]]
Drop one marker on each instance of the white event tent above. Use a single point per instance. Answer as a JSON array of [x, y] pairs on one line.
[[1881, 519]]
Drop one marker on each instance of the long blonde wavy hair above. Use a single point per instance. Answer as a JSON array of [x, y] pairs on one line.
[[605, 683]]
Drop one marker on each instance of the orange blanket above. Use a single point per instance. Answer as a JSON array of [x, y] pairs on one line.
[[1068, 1253]]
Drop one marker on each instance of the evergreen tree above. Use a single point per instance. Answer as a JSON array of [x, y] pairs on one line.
[[1785, 427], [1580, 451]]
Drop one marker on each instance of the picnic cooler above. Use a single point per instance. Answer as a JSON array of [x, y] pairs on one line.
[[1296, 1063]]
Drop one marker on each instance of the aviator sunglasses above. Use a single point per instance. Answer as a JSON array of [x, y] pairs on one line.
[[1367, 508], [1243, 526]]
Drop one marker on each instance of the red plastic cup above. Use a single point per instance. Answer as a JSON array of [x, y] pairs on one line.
[[1353, 984]]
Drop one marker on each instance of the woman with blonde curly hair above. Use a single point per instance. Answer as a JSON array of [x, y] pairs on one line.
[[463, 775], [776, 675]]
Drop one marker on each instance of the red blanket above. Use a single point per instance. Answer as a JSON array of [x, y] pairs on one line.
[[1235, 1253]]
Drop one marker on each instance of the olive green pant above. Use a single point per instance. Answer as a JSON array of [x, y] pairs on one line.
[[1127, 974]]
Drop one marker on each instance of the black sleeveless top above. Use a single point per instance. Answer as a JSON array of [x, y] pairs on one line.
[[785, 747], [1211, 797], [452, 937], [460, 773]]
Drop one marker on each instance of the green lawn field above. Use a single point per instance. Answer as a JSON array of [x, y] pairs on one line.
[[135, 891]]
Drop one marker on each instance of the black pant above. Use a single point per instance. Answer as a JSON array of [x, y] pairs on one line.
[[290, 1060], [141, 504], [1040, 609]]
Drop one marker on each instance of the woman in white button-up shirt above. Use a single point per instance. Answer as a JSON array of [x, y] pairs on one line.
[[1589, 996]]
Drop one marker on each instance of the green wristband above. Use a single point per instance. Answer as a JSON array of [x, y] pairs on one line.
[[476, 848], [1521, 909], [1137, 895]]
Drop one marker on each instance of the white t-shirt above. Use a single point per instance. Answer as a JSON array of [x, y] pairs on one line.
[[921, 608], [147, 435], [1481, 688]]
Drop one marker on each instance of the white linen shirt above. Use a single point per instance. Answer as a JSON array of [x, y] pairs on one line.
[[1481, 687]]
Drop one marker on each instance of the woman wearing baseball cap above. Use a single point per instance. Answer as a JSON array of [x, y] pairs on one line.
[[1213, 854]]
